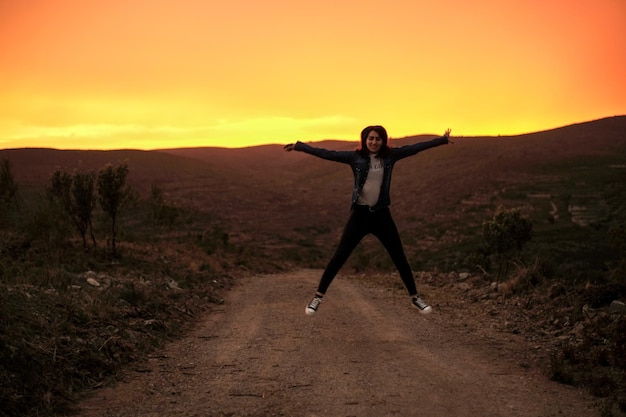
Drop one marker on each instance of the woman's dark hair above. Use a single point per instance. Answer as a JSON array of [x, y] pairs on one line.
[[383, 135]]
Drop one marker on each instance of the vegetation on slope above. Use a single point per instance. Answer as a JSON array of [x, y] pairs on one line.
[[72, 313]]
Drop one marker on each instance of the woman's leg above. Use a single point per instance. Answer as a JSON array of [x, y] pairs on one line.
[[384, 228], [353, 232]]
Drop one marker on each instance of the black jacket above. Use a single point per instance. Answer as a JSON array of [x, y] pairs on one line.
[[360, 164]]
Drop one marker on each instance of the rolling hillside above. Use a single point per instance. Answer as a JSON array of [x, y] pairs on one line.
[[289, 201]]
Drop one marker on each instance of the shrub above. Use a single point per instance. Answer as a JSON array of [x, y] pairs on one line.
[[113, 193], [505, 235], [8, 189], [74, 194]]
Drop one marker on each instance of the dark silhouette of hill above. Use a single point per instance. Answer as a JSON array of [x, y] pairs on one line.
[[266, 190], [295, 189]]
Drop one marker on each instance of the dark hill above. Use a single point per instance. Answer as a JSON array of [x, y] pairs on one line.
[[271, 195]]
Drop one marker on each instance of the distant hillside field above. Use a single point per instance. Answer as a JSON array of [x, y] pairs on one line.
[[292, 201]]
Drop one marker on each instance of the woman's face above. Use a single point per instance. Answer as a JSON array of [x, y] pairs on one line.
[[373, 142]]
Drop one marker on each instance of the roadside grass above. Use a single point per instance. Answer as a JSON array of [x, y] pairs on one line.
[[71, 319]]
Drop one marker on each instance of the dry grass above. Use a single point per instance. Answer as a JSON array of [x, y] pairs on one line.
[[74, 330]]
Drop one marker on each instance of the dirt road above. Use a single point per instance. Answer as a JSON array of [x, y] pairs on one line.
[[366, 353]]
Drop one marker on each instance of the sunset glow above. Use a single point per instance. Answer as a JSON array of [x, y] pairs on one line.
[[142, 74]]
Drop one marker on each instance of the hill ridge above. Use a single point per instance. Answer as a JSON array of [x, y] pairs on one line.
[[246, 184]]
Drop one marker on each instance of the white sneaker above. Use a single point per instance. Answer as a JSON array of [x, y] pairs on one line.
[[313, 305], [421, 305]]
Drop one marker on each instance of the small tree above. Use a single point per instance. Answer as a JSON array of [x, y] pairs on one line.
[[59, 192], [505, 235], [617, 233], [161, 213], [113, 192], [8, 188], [83, 193], [75, 195]]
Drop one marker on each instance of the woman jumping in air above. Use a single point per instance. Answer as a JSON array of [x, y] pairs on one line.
[[371, 165]]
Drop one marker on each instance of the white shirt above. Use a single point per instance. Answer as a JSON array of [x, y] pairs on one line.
[[371, 189]]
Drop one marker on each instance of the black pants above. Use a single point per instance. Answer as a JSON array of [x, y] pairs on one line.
[[362, 222]]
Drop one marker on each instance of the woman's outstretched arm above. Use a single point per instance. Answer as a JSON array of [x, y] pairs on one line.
[[409, 150], [337, 156]]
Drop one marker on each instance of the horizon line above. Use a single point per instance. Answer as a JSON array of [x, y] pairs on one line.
[[312, 141]]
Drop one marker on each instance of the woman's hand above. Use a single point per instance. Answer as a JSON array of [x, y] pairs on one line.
[[288, 147], [447, 135]]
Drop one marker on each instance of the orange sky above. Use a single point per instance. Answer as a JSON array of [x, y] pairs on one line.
[[157, 73]]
